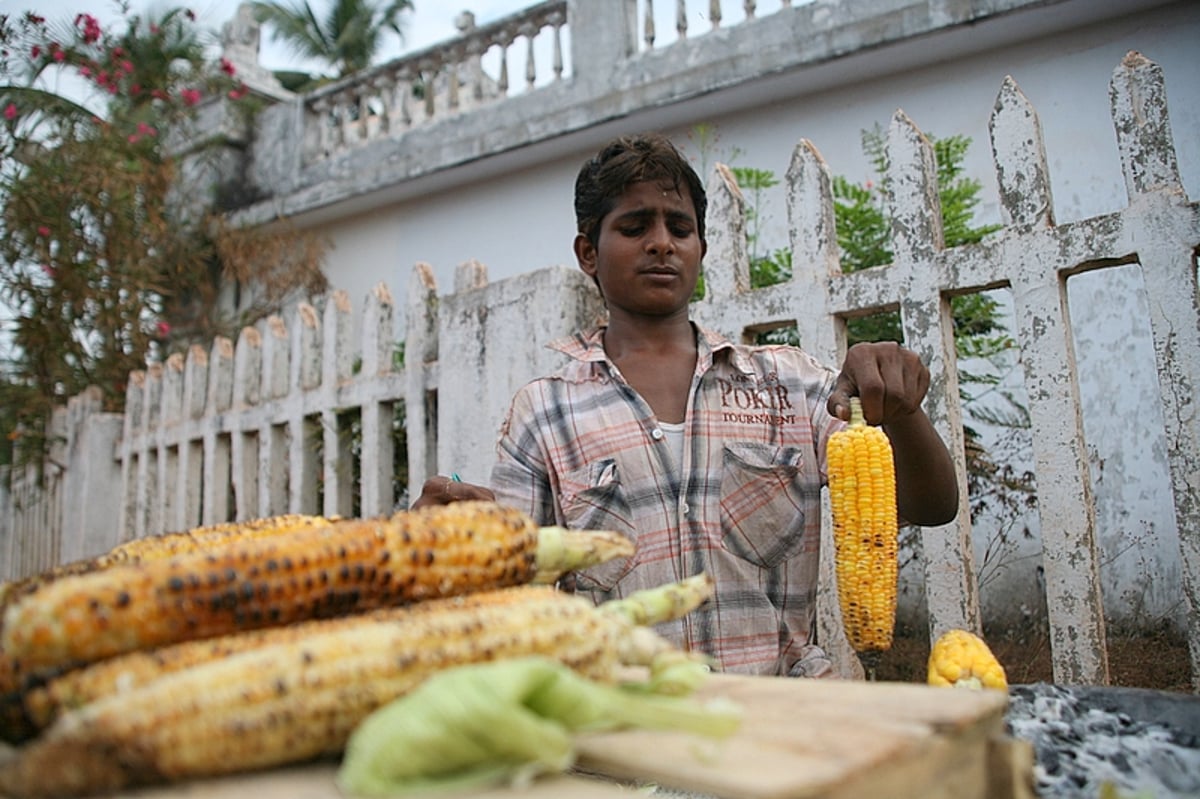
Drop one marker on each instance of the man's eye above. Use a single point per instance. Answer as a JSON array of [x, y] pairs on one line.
[[632, 231], [681, 231]]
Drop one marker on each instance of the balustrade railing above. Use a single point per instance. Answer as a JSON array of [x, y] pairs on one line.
[[707, 15], [437, 82]]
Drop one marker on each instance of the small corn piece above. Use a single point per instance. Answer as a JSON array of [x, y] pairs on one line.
[[329, 570], [964, 660], [862, 493], [299, 699]]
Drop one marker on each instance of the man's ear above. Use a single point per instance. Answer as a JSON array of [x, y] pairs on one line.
[[585, 254]]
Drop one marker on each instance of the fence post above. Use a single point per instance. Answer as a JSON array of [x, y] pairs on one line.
[[1168, 259]]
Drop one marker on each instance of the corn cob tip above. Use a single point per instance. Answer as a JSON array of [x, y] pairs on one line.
[[560, 550], [662, 603]]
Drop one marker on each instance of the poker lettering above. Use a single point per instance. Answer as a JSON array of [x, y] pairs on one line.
[[763, 403]]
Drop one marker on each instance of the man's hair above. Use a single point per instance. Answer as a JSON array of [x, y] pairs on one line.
[[623, 162]]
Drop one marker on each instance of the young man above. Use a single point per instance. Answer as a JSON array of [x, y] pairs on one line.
[[709, 454]]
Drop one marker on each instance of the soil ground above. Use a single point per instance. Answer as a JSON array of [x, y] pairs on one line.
[[1157, 660]]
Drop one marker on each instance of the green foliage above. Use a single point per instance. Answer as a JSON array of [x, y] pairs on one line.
[[864, 231], [100, 266], [347, 37], [864, 241]]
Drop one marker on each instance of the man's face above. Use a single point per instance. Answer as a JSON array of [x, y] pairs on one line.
[[647, 259]]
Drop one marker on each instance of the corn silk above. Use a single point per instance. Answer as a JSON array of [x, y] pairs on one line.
[[505, 721]]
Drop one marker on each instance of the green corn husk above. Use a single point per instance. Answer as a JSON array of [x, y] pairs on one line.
[[503, 721]]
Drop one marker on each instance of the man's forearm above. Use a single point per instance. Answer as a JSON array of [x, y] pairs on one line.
[[926, 485]]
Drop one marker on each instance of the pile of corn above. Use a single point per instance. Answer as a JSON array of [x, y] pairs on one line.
[[232, 648]]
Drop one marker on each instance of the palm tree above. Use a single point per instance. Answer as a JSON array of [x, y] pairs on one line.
[[347, 37]]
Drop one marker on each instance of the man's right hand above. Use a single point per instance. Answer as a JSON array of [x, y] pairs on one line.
[[442, 490]]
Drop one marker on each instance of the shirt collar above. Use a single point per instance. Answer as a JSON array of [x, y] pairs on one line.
[[587, 346]]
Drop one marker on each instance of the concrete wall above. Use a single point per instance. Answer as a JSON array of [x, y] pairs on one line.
[[1065, 77]]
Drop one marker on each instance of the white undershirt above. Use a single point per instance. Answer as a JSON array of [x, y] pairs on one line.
[[674, 436]]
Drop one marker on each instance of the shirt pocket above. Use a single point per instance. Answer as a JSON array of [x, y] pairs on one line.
[[593, 499], [762, 503]]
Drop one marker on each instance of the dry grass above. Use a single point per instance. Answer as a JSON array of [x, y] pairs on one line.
[[1157, 660]]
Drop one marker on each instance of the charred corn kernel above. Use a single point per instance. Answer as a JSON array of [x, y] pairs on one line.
[[294, 700], [315, 572], [963, 659], [862, 494]]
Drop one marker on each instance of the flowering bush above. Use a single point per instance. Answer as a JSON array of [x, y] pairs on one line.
[[100, 266]]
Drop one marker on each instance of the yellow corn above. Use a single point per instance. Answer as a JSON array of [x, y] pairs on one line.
[[43, 703], [298, 699], [321, 571], [964, 660], [862, 493]]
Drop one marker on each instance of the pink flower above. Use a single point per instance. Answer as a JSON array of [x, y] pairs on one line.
[[145, 130], [43, 231], [127, 66], [164, 329], [239, 92], [48, 269], [133, 138], [189, 96], [10, 111], [227, 66], [35, 51], [60, 56], [85, 71], [91, 27]]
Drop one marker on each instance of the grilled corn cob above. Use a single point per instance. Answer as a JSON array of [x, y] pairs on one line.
[[963, 660], [41, 704], [862, 493], [314, 572], [295, 700], [155, 547]]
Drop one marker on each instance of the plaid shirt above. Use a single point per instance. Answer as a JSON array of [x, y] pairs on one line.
[[582, 449]]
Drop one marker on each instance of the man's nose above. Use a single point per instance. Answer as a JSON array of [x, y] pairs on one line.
[[659, 239]]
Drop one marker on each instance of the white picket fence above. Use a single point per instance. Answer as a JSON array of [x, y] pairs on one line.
[[296, 416]]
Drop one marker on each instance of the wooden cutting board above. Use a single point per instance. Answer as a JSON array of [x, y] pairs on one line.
[[833, 739], [800, 739]]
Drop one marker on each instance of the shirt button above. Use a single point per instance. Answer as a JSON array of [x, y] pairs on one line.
[[656, 434]]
